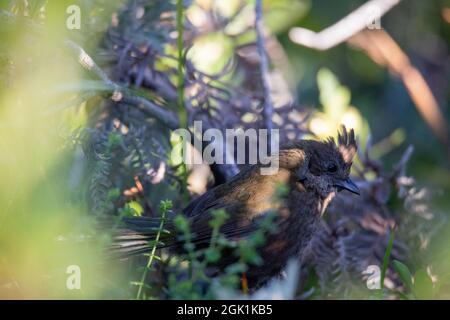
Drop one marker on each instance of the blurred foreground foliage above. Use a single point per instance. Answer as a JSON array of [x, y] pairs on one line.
[[75, 145]]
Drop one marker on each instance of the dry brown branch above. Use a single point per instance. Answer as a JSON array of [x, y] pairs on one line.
[[383, 49]]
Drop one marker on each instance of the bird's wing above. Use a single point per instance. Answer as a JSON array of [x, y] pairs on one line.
[[203, 203], [220, 197], [233, 197], [235, 227]]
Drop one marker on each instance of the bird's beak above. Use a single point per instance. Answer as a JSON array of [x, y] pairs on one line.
[[347, 184]]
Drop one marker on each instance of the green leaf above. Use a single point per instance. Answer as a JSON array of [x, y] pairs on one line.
[[334, 97], [404, 273], [136, 206], [114, 140], [236, 268], [387, 255], [218, 218], [181, 223], [212, 255], [165, 206], [113, 194]]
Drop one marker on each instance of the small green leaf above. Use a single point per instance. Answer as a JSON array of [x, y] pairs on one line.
[[165, 206], [404, 273], [212, 255], [218, 218], [387, 255], [114, 140], [113, 194], [236, 268], [136, 206], [181, 223]]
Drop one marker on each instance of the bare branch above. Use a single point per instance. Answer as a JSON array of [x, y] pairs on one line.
[[344, 28], [264, 68], [123, 94], [400, 168]]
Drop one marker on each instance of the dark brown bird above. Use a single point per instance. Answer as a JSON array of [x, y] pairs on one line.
[[313, 171]]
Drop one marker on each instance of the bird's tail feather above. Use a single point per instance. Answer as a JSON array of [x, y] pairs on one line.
[[138, 235]]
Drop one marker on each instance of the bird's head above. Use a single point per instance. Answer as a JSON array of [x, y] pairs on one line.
[[322, 167]]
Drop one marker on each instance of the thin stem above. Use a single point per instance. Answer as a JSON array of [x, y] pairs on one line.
[[123, 94], [182, 113], [152, 254], [264, 69], [180, 29]]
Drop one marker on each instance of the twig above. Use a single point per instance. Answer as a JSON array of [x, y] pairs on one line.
[[400, 167], [264, 69], [165, 117], [123, 94], [182, 112], [344, 28], [180, 49]]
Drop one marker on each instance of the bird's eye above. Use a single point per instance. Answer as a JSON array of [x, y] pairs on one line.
[[332, 168]]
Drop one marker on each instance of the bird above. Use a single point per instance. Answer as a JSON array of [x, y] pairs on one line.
[[313, 172]]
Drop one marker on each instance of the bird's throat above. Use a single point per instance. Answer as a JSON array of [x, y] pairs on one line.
[[324, 202]]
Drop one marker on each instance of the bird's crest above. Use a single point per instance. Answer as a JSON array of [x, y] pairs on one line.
[[347, 144]]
